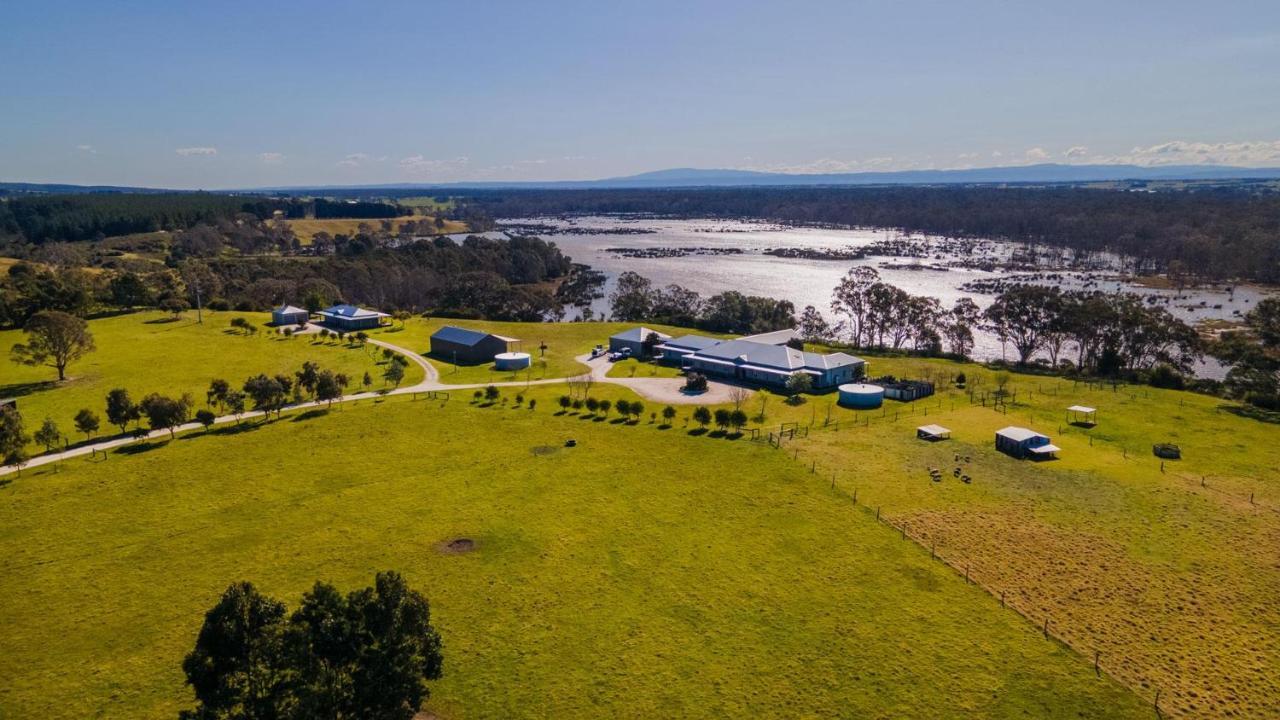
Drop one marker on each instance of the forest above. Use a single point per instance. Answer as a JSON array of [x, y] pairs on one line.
[[1211, 234], [49, 218]]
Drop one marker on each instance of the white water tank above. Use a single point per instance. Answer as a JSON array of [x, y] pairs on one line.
[[511, 361], [861, 396]]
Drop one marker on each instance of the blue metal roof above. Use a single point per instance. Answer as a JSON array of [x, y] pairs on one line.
[[455, 334]]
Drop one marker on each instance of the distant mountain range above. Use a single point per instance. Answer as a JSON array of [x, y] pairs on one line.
[[697, 177]]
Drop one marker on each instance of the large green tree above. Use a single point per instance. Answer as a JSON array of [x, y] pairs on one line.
[[55, 339]]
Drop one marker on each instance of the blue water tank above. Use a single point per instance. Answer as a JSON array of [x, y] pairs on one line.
[[861, 396], [511, 361]]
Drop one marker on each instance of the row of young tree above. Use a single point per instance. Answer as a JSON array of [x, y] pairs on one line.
[[367, 654], [262, 393], [1102, 333], [635, 299]]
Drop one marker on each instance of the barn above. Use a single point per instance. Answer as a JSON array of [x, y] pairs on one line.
[[462, 346], [1022, 443], [289, 315]]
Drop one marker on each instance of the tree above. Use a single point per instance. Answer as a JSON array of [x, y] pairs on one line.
[[668, 414], [592, 405], [366, 655], [491, 393], [1024, 315], [957, 326], [236, 667], [206, 418], [565, 402], [738, 419], [165, 413], [813, 327], [13, 437], [121, 410], [624, 408], [702, 416], [604, 407], [394, 373], [799, 382], [217, 393], [308, 376], [175, 306], [636, 408], [850, 300], [268, 394], [87, 422], [632, 298], [327, 387], [722, 418], [366, 381], [48, 435], [235, 403], [55, 339]]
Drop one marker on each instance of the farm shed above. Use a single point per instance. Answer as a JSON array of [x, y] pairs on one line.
[[350, 317], [633, 340], [289, 315], [463, 346], [1022, 443], [933, 432]]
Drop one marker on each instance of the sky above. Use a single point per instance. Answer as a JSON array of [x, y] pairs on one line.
[[234, 94]]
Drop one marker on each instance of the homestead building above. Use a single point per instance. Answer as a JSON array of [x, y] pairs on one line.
[[350, 317]]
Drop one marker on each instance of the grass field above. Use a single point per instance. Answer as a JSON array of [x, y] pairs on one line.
[[427, 204], [602, 584], [306, 229], [147, 352], [637, 368], [1174, 582], [1168, 571]]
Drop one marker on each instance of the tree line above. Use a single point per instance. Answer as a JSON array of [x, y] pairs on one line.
[[1214, 233], [635, 299], [509, 279], [47, 218], [1088, 331]]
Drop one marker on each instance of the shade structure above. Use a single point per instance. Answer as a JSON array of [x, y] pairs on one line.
[[933, 432]]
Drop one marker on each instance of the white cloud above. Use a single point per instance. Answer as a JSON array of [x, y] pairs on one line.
[[190, 151], [996, 154], [420, 165], [1077, 151], [271, 158], [1036, 154], [87, 149], [1183, 152], [358, 159]]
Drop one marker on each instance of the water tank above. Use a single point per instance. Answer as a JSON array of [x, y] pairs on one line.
[[861, 396], [511, 361]]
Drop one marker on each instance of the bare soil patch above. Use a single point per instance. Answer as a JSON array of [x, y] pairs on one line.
[[456, 546]]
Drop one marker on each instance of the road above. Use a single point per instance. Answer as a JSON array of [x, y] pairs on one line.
[[664, 390]]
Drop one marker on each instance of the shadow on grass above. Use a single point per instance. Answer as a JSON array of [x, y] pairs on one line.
[[236, 429], [17, 390], [161, 321], [141, 447], [698, 431], [310, 415], [5, 482], [1253, 413]]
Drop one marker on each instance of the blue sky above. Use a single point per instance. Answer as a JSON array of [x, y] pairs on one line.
[[237, 94]]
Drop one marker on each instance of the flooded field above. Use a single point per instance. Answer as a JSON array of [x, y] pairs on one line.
[[804, 264]]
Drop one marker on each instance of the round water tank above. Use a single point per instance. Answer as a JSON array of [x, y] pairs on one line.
[[861, 396], [511, 361]]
